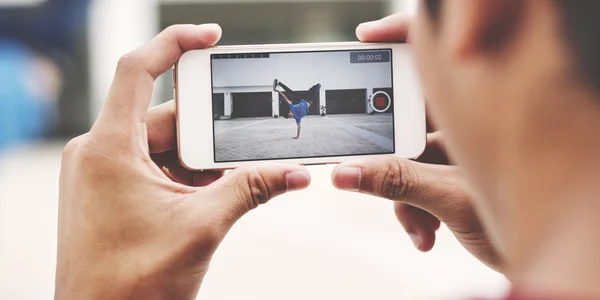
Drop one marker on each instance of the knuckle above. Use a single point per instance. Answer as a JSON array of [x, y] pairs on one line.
[[92, 153], [254, 189], [88, 151], [71, 147], [399, 181], [174, 29], [88, 158], [128, 63], [99, 163]]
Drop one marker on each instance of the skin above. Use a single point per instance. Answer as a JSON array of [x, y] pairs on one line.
[[517, 118], [133, 223], [291, 115], [426, 192]]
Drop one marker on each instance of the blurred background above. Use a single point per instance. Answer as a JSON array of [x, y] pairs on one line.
[[57, 59]]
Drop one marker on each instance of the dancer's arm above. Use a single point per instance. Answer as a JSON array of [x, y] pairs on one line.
[[299, 130]]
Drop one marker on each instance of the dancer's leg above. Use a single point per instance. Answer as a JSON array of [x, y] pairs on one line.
[[287, 89], [314, 93]]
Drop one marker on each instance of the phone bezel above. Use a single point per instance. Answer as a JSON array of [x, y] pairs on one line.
[[192, 77]]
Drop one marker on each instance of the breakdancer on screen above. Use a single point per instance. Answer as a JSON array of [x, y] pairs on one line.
[[301, 109]]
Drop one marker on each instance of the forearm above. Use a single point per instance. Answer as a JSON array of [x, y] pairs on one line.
[[299, 130]]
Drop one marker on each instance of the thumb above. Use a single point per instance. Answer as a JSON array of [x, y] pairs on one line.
[[246, 188], [436, 189]]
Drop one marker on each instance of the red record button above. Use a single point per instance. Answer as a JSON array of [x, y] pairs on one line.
[[381, 102]]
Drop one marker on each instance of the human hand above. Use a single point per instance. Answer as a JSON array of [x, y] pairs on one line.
[[428, 191], [133, 223]]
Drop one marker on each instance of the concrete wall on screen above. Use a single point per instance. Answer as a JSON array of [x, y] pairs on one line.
[[302, 70], [299, 71]]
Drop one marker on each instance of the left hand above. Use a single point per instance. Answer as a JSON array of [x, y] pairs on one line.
[[133, 223], [427, 191]]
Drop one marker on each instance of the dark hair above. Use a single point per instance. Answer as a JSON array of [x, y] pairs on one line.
[[434, 7], [581, 20]]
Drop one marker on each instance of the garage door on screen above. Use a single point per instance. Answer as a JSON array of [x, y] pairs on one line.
[[252, 105], [346, 102]]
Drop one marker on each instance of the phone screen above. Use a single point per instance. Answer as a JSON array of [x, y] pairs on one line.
[[301, 105]]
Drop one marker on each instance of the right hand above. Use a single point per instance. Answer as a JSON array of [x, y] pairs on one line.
[[428, 191], [133, 222]]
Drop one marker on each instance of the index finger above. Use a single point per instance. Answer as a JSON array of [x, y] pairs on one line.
[[389, 29], [132, 87], [162, 128]]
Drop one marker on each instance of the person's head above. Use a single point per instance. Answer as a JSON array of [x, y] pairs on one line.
[[513, 83], [290, 115]]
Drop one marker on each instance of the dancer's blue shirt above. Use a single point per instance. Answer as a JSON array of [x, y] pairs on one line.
[[299, 110]]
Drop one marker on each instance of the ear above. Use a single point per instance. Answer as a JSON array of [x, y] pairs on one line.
[[476, 28]]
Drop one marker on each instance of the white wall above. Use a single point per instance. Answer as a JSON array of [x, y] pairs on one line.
[[299, 71], [20, 3], [117, 27], [406, 6]]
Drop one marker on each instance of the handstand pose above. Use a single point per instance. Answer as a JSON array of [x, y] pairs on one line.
[[300, 110]]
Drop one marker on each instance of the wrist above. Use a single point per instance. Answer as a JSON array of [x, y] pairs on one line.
[[90, 288], [96, 284], [111, 289]]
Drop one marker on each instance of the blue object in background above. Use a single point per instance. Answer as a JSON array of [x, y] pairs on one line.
[[24, 114], [49, 30]]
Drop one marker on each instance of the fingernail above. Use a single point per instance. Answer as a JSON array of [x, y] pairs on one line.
[[415, 239], [211, 26], [297, 180], [367, 25], [348, 179]]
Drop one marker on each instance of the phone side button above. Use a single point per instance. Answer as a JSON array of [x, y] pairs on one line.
[[173, 79]]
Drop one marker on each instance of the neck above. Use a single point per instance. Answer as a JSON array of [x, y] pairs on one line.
[[566, 260], [552, 214]]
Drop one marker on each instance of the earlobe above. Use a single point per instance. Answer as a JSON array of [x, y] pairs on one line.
[[482, 27]]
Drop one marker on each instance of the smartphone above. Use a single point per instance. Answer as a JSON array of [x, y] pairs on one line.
[[309, 104]]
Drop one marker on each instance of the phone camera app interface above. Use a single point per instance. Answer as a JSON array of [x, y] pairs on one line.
[[269, 106]]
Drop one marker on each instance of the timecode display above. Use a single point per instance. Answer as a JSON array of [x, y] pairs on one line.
[[370, 57]]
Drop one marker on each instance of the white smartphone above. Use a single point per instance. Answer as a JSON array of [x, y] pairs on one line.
[[309, 104]]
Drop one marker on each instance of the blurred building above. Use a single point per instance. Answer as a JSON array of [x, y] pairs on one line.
[[42, 68], [118, 26], [243, 84], [87, 49]]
